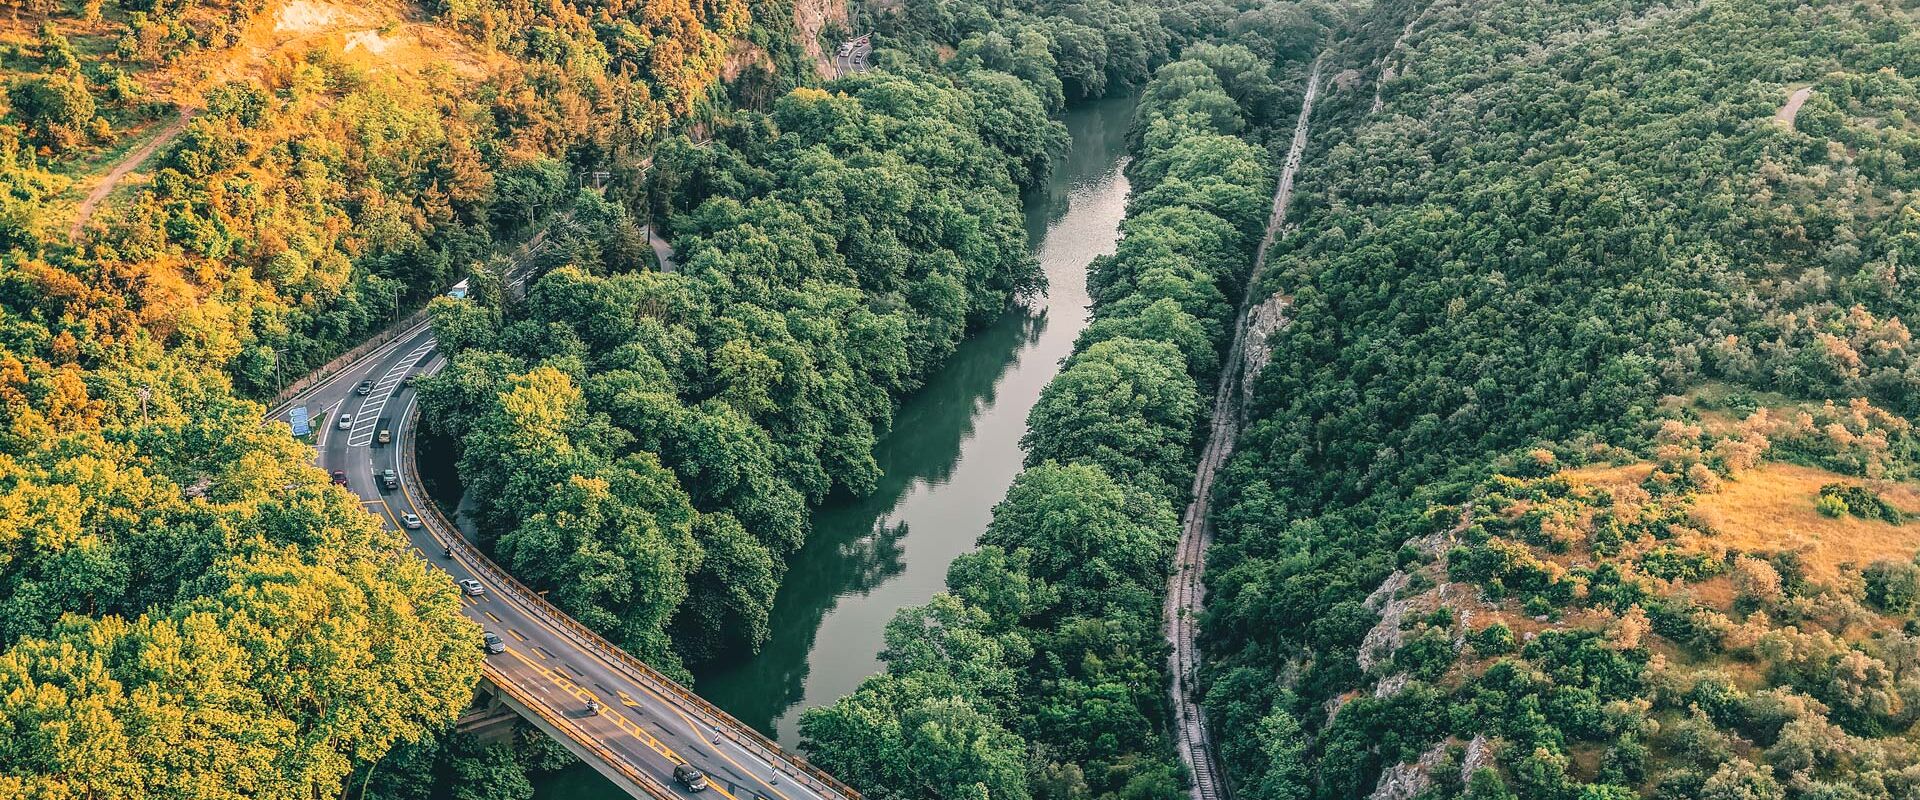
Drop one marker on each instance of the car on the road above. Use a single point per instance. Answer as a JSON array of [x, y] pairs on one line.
[[845, 48], [389, 479], [339, 477], [410, 519], [344, 422], [472, 587], [690, 776], [492, 643], [385, 437], [365, 388]]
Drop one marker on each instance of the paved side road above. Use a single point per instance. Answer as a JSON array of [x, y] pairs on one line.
[[852, 56]]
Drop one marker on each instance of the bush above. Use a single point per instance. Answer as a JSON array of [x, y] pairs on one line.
[[1892, 586], [1493, 640], [1839, 499]]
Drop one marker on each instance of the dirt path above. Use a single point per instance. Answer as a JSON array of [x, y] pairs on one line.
[[1186, 593], [125, 167], [1791, 111]]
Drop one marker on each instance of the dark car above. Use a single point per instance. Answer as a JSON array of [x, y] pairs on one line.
[[365, 388], [492, 643], [339, 477], [389, 479], [690, 777]]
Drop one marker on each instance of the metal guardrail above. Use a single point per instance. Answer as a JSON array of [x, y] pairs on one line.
[[712, 716]]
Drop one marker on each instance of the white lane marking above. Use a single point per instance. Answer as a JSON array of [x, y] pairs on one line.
[[352, 369], [368, 417]]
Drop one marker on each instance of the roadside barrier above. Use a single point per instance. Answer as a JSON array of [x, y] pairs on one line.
[[443, 529]]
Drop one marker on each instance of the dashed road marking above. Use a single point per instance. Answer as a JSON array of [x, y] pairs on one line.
[[367, 419]]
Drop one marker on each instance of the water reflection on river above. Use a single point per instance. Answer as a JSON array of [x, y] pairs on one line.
[[954, 449]]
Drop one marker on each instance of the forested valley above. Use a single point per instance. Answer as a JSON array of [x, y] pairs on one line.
[[1574, 461]]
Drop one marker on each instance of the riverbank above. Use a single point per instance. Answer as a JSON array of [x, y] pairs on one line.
[[954, 449]]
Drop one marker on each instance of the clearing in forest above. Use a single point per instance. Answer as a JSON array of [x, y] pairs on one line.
[[1791, 111]]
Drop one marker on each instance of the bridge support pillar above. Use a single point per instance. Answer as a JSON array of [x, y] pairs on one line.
[[487, 718]]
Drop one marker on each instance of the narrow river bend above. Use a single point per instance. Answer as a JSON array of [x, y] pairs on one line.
[[954, 450]]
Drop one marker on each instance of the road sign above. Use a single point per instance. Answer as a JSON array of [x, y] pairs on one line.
[[298, 416]]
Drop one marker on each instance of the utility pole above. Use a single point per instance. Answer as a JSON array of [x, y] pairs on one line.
[[279, 383], [146, 393]]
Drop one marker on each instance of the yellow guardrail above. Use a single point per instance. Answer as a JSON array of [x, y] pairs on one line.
[[720, 721]]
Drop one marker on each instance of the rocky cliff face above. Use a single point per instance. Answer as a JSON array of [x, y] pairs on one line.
[[810, 17]]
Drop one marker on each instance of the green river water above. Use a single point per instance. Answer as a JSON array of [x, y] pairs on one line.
[[953, 451]]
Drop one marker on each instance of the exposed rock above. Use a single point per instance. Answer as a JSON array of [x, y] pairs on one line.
[[1386, 635], [1403, 781], [1262, 321], [1333, 706], [1391, 685], [198, 488], [1347, 79], [810, 17], [1479, 754]]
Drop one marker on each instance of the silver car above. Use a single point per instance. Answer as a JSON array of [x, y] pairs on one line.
[[472, 587]]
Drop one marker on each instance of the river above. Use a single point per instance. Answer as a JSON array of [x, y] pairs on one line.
[[953, 451]]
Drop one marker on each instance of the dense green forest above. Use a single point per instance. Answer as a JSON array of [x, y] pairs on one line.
[[187, 607], [1579, 466], [1041, 672]]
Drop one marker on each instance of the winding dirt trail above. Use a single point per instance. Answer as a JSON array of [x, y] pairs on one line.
[[126, 167], [1791, 111], [1186, 593]]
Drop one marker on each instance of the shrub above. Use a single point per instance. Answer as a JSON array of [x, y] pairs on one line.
[[1492, 640], [1892, 586], [1839, 499]]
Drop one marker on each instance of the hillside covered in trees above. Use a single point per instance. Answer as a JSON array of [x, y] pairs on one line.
[[1040, 673], [202, 201], [1582, 466]]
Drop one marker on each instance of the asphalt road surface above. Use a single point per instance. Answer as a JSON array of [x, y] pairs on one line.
[[646, 725]]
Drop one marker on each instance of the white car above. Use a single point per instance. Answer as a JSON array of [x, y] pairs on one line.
[[472, 587], [345, 422], [409, 519]]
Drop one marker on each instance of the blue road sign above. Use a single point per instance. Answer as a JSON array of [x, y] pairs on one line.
[[298, 416]]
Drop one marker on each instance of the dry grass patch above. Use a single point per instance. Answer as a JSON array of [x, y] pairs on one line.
[[1772, 508], [1604, 476]]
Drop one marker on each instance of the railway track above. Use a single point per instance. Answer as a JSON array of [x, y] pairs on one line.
[[1186, 589]]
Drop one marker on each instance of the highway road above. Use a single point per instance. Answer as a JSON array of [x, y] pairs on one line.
[[552, 666], [852, 56]]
